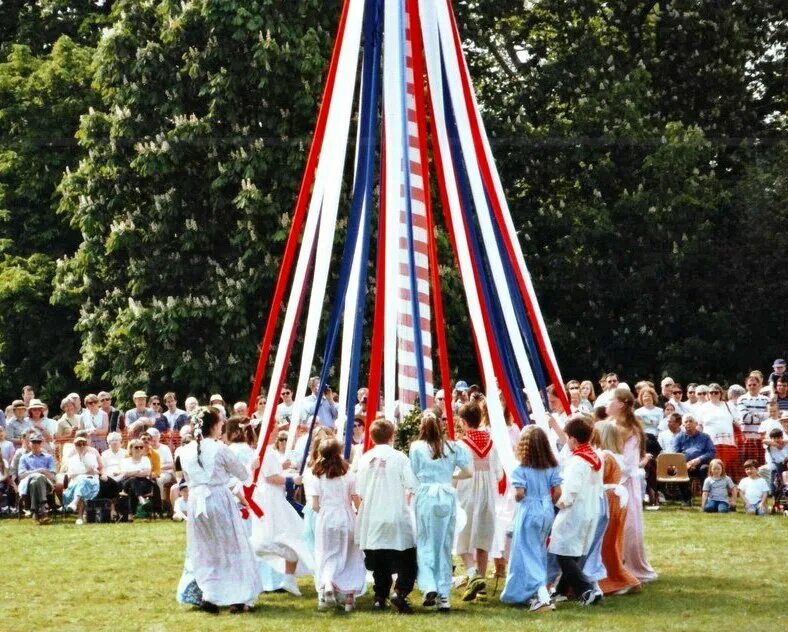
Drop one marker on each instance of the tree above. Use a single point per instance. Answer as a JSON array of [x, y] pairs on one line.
[[193, 163], [41, 100], [627, 133]]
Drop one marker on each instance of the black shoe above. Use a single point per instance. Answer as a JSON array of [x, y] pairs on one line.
[[401, 604], [210, 608], [429, 599], [380, 603]]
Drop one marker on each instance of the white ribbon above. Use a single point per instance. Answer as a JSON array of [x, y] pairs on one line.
[[198, 495]]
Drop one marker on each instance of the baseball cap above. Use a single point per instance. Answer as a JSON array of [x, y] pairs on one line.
[[778, 363], [36, 438], [461, 386], [138, 394]]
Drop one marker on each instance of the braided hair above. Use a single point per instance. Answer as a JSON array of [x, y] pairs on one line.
[[203, 420]]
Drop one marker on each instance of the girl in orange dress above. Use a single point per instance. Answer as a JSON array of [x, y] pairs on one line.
[[608, 437]]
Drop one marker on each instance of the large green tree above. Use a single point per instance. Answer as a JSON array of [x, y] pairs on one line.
[[633, 138], [193, 163]]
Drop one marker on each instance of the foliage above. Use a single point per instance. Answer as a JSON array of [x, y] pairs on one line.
[[408, 430], [192, 166], [41, 100], [690, 594]]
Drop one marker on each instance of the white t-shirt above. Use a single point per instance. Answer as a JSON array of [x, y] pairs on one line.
[[165, 454], [113, 462], [717, 422], [92, 422], [130, 466], [753, 489], [284, 412], [768, 425], [78, 465], [651, 418]]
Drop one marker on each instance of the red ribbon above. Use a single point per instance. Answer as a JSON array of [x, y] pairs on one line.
[[586, 452]]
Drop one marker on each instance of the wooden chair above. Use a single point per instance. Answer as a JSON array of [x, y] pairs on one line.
[[672, 469]]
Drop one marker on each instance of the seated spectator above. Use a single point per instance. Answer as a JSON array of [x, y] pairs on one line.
[[186, 439], [649, 413], [95, 422], [140, 410], [7, 448], [116, 421], [111, 483], [668, 410], [17, 424], [176, 418], [180, 507], [6, 485], [82, 469], [191, 405], [719, 492], [668, 436], [137, 484], [698, 448], [37, 478], [754, 489], [166, 476], [153, 456], [68, 423]]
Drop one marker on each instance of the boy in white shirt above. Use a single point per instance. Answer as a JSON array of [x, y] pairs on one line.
[[384, 530], [754, 489]]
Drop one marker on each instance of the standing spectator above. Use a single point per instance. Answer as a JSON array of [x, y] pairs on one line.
[[82, 469], [19, 423], [95, 422], [459, 396], [77, 401], [37, 478], [326, 409], [191, 405], [116, 421], [240, 409], [69, 421], [667, 437], [698, 449], [176, 418], [666, 393], [575, 401], [166, 476], [649, 413], [259, 410], [587, 395], [718, 419], [361, 401], [610, 382], [752, 410], [28, 394], [778, 372], [140, 409], [160, 422], [284, 411], [40, 425], [781, 393], [701, 395], [677, 393]]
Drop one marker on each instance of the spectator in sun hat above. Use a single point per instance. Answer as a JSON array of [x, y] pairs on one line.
[[18, 424], [460, 395], [140, 409], [778, 371]]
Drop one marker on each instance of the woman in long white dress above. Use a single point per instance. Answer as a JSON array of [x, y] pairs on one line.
[[217, 548]]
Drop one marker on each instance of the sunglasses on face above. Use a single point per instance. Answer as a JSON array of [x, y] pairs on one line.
[[137, 447], [285, 393], [677, 392], [715, 392], [612, 381], [105, 399], [574, 388], [358, 425]]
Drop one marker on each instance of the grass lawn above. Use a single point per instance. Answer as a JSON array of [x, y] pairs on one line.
[[716, 572]]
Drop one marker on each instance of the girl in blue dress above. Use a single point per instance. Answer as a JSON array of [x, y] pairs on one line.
[[537, 486], [434, 461]]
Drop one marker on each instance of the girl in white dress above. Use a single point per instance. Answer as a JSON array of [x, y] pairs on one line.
[[339, 561], [217, 547], [278, 537]]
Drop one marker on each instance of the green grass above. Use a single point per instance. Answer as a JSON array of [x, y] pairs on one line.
[[715, 573]]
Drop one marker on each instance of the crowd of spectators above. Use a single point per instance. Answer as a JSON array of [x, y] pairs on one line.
[[123, 465]]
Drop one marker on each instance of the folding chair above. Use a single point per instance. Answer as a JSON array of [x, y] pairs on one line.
[[672, 469]]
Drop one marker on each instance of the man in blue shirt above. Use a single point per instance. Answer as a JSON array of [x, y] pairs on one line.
[[326, 412], [698, 448], [37, 478]]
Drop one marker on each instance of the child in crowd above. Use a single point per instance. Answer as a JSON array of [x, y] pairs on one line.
[[754, 489], [338, 560], [537, 486], [575, 525], [777, 462], [716, 489], [477, 497], [434, 461], [384, 530], [181, 506]]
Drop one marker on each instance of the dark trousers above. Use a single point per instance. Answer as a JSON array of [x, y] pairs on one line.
[[572, 576], [136, 487], [700, 473], [109, 489], [386, 562], [37, 489]]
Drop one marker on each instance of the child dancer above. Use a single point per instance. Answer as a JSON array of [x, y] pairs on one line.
[[339, 562], [537, 485], [477, 497], [575, 525], [619, 580], [434, 461], [384, 530], [754, 489], [716, 488]]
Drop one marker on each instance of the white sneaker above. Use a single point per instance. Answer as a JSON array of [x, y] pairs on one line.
[[79, 521], [443, 604], [537, 605], [330, 598], [290, 585], [459, 581]]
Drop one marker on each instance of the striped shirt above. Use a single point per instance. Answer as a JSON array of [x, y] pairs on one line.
[[752, 409]]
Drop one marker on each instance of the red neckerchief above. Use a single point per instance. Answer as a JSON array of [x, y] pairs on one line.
[[478, 441], [586, 452]]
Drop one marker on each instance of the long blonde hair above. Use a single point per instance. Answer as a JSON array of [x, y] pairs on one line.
[[628, 421], [608, 436]]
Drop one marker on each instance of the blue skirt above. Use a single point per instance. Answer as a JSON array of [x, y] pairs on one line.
[[86, 487]]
